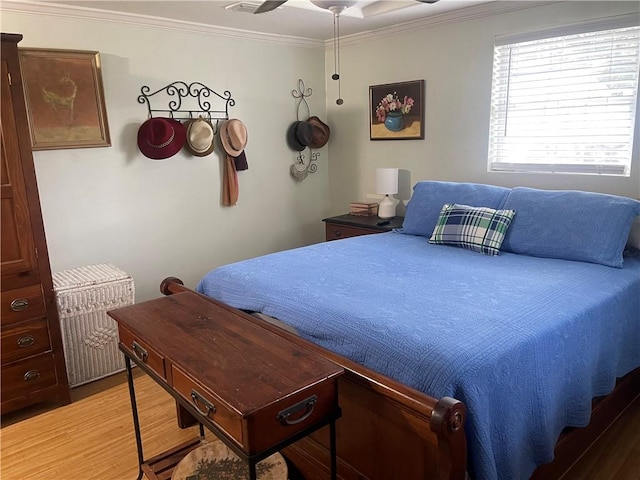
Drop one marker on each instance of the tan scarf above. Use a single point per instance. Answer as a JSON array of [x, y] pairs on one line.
[[230, 189]]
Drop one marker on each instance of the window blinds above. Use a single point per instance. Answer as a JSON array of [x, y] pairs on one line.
[[566, 103]]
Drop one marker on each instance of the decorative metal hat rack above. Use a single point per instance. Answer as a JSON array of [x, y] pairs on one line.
[[177, 91], [300, 174]]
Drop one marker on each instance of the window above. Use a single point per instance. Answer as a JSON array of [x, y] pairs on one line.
[[564, 100]]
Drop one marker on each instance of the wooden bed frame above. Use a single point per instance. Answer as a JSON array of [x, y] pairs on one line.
[[391, 431]]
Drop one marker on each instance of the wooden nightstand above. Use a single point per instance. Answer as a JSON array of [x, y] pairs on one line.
[[345, 226]]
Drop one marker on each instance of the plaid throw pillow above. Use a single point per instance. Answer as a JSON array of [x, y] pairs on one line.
[[480, 229]]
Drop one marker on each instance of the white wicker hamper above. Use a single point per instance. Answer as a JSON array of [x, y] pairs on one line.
[[89, 335]]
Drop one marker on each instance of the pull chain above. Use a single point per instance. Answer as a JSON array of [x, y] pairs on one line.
[[336, 54]]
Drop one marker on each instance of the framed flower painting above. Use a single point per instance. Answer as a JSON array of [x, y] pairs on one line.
[[397, 111]]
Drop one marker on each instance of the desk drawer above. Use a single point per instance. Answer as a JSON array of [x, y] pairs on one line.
[[291, 414], [260, 429], [25, 339], [142, 352], [22, 304], [208, 404]]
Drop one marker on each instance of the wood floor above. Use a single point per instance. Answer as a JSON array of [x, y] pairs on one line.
[[92, 438]]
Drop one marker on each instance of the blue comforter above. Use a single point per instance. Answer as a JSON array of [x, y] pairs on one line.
[[524, 342]]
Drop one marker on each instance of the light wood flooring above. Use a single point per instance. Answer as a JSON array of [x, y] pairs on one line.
[[92, 438]]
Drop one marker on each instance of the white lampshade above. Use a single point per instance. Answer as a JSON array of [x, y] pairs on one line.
[[387, 181], [387, 184]]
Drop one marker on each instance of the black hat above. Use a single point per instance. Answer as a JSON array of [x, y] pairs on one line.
[[299, 135]]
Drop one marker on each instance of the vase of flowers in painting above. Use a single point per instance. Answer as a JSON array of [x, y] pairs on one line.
[[392, 109], [394, 121]]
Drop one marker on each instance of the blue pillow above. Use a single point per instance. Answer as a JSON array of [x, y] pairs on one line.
[[428, 198], [571, 225]]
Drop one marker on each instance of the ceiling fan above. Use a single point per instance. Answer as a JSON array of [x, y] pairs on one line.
[[335, 6]]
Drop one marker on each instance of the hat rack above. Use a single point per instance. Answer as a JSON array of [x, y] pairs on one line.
[[176, 92], [301, 94]]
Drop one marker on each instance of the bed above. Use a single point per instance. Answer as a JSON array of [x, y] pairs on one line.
[[462, 361]]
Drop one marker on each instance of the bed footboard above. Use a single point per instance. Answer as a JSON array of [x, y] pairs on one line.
[[387, 430]]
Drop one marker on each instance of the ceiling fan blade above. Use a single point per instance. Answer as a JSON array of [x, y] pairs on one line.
[[427, 1], [269, 5]]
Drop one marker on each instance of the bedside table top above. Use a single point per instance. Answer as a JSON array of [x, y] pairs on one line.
[[370, 221]]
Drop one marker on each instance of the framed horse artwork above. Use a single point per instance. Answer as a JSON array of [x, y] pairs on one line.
[[65, 98]]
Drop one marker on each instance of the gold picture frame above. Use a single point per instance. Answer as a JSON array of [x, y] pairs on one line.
[[65, 98], [396, 111]]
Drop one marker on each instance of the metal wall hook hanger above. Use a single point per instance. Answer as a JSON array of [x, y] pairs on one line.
[[302, 167], [178, 92], [301, 94]]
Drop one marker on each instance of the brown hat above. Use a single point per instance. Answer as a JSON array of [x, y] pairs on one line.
[[160, 138], [199, 133], [233, 135], [299, 135], [321, 132]]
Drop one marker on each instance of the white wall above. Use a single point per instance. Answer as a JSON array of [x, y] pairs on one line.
[[159, 218], [455, 60]]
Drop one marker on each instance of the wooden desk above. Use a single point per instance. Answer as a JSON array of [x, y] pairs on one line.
[[253, 389]]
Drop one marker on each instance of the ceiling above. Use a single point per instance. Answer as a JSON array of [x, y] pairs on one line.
[[297, 18]]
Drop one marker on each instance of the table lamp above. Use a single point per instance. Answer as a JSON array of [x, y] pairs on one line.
[[387, 184]]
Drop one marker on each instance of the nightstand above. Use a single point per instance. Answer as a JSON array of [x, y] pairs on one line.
[[345, 226]]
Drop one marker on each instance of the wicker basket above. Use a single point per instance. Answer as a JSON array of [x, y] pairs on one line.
[[89, 335]]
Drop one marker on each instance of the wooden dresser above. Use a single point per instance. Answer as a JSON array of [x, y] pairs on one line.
[[33, 368]]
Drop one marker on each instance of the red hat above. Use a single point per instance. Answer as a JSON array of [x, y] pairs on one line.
[[160, 138]]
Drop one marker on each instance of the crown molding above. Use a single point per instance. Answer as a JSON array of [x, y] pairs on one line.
[[455, 16], [84, 13]]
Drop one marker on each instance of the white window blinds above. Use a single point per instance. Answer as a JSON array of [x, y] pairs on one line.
[[565, 101]]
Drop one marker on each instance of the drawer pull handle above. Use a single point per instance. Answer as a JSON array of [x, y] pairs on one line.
[[19, 304], [337, 233], [31, 376], [26, 341], [197, 398], [307, 404], [140, 352]]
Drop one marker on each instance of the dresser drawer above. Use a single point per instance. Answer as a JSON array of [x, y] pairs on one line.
[[24, 340], [142, 351], [208, 404], [336, 232], [22, 304], [26, 376]]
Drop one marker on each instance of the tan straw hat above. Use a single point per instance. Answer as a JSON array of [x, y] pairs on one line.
[[199, 137], [233, 135]]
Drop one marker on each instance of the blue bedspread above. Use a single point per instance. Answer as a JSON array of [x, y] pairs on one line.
[[524, 342]]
